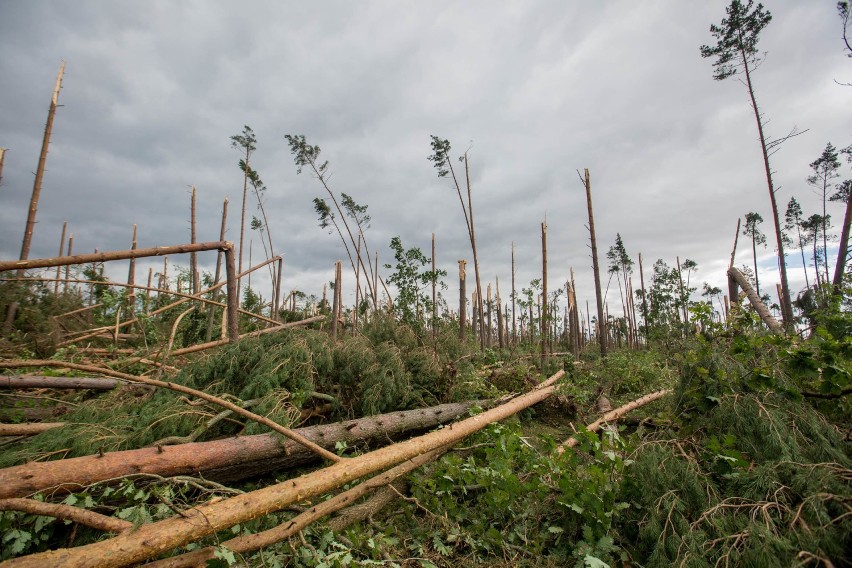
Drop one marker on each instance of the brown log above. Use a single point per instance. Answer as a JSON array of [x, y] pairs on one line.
[[758, 305], [225, 460], [249, 543], [66, 512], [614, 415], [12, 364], [28, 429], [42, 382], [111, 255], [151, 540]]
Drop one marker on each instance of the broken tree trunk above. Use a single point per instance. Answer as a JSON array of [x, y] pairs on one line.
[[759, 307], [151, 540], [224, 460], [42, 382], [614, 415], [602, 335]]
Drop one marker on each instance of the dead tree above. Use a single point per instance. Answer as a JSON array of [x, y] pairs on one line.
[[602, 332]]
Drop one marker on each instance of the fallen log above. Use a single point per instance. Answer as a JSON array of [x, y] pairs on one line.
[[28, 429], [225, 460], [614, 415], [42, 382], [151, 540]]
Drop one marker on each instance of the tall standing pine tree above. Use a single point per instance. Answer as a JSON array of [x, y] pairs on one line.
[[736, 52]]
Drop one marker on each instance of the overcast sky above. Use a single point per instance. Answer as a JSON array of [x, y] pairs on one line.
[[535, 90]]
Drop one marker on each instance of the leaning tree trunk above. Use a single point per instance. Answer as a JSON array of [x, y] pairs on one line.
[[779, 235], [843, 249], [758, 305], [151, 540]]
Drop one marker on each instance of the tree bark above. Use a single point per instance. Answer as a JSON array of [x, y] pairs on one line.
[[42, 160], [779, 236], [224, 460], [462, 301], [843, 248], [761, 309], [151, 540], [42, 382], [545, 320], [601, 322], [28, 429]]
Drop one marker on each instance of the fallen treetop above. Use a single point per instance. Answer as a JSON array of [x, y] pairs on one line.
[[151, 540]]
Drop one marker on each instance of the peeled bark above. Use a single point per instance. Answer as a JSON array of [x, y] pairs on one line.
[[151, 540], [225, 460], [761, 309]]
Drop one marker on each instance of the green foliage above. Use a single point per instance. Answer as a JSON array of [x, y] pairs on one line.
[[412, 282], [762, 479], [502, 499], [736, 39]]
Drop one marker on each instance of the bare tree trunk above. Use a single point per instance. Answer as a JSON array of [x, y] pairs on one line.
[[212, 312], [843, 248], [489, 307], [514, 317], [682, 294], [68, 268], [758, 305], [61, 249], [42, 160], [500, 334], [601, 323], [545, 325], [335, 306], [779, 235], [434, 291], [193, 257], [131, 277], [2, 158], [462, 300]]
